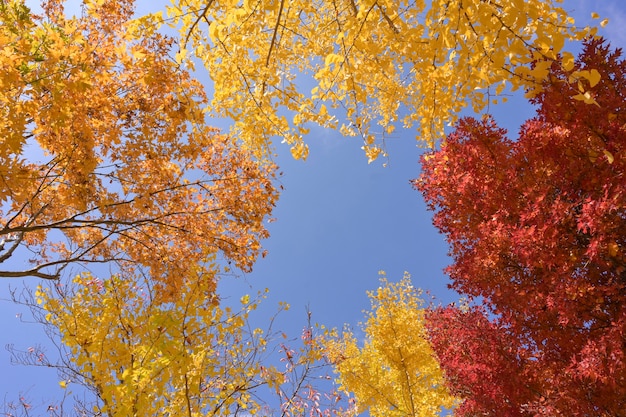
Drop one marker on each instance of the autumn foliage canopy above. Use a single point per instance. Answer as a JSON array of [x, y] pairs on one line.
[[365, 67], [106, 156], [110, 173], [537, 230]]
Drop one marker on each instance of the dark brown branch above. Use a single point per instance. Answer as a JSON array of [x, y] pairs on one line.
[[275, 33], [201, 16]]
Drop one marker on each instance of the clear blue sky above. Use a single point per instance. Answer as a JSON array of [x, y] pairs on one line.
[[339, 221]]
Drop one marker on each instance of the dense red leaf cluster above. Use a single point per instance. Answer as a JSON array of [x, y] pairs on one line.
[[537, 229], [480, 366]]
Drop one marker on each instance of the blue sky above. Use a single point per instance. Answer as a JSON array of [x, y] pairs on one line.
[[338, 222]]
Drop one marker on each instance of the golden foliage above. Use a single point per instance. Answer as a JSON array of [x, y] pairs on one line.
[[278, 66], [142, 357], [394, 372], [106, 155]]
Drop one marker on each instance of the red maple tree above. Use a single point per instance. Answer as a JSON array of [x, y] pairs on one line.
[[482, 364], [537, 228]]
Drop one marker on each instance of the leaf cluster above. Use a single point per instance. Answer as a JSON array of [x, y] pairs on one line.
[[393, 371], [279, 66], [106, 155], [536, 227]]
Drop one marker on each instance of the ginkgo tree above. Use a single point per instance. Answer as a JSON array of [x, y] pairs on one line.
[[278, 66], [394, 371], [143, 357], [135, 354], [106, 155]]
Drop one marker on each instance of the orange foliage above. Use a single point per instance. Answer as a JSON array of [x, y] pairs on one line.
[[106, 156]]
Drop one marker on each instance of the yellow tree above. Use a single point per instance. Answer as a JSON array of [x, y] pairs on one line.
[[394, 372], [139, 355], [143, 357], [106, 156], [279, 65]]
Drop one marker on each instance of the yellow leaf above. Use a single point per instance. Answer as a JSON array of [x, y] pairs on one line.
[[586, 97], [594, 77], [567, 61], [180, 56], [333, 59], [214, 30]]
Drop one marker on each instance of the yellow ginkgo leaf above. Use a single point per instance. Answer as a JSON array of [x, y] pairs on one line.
[[594, 77]]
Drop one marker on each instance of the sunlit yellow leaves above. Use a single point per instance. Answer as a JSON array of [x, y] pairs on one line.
[[586, 97], [593, 77], [393, 372], [143, 357], [567, 61], [180, 56], [372, 152], [333, 59], [603, 23], [299, 150], [380, 62]]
